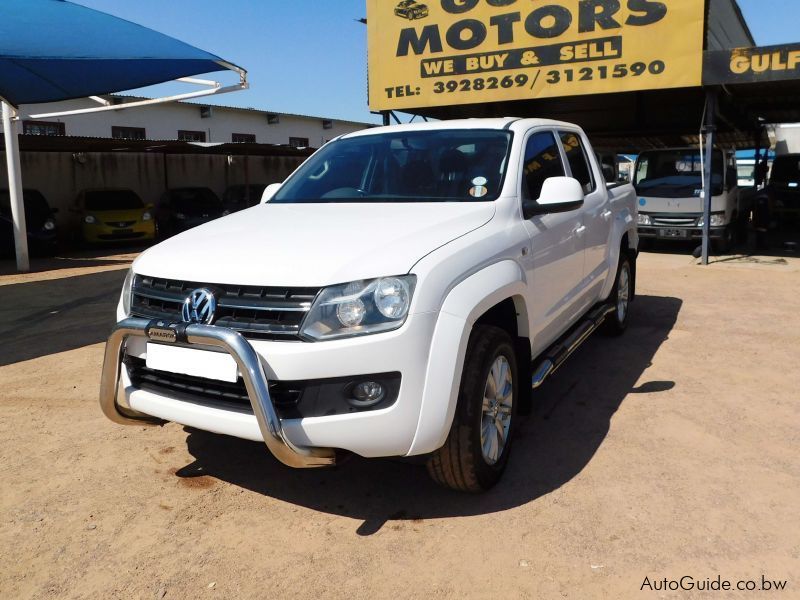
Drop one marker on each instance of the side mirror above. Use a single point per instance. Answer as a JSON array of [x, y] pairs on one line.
[[559, 195], [269, 192]]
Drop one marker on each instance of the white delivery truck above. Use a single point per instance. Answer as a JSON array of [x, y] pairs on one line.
[[669, 186], [400, 294]]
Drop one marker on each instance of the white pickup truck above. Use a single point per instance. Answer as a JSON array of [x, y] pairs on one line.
[[400, 294], [669, 184]]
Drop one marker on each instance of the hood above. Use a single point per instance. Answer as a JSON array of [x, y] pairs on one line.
[[312, 244]]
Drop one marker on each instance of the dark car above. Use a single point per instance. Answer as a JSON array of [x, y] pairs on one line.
[[39, 222], [411, 10], [238, 197], [784, 186], [183, 208]]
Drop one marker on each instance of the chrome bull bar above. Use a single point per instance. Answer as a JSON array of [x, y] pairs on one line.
[[250, 367]]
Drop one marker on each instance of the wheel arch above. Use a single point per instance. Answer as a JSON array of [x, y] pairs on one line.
[[488, 296]]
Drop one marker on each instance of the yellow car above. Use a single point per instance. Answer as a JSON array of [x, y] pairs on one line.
[[114, 215]]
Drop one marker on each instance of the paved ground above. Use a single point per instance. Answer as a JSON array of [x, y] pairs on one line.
[[669, 452]]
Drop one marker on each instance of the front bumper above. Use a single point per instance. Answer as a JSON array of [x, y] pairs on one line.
[[102, 232], [684, 233], [249, 365], [389, 431]]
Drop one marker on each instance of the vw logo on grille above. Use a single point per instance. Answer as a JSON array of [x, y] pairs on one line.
[[199, 307]]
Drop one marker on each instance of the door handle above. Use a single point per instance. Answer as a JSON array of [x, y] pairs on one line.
[[606, 214], [580, 231]]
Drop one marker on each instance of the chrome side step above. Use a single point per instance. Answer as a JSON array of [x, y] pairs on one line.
[[559, 352]]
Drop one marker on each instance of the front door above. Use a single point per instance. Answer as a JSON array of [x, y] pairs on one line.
[[554, 266]]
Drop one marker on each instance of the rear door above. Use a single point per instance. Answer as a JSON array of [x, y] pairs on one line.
[[554, 266], [596, 212]]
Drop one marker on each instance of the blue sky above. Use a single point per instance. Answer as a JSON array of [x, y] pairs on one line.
[[309, 56]]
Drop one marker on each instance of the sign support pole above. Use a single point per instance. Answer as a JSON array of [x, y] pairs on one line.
[[15, 188], [711, 131]]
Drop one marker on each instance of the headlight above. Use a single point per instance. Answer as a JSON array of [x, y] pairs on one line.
[[643, 220], [359, 308], [717, 220], [146, 216], [89, 219], [49, 225], [126, 293]]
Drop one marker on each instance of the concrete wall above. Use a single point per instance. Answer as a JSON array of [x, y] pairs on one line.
[[60, 175], [162, 122]]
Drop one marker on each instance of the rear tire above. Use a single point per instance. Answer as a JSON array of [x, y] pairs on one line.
[[617, 322], [477, 448]]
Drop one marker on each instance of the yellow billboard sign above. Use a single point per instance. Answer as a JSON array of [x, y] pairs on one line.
[[442, 52]]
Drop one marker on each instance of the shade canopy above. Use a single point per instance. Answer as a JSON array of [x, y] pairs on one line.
[[54, 50]]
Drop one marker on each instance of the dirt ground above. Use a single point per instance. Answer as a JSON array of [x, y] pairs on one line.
[[669, 452]]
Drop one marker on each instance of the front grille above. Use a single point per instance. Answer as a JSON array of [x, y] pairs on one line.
[[266, 313], [284, 395], [674, 220]]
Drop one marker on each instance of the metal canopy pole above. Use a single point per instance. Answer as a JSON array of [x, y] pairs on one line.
[[711, 130], [15, 188]]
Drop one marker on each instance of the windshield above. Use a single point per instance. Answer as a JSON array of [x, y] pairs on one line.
[[244, 194], [195, 200], [675, 174], [36, 207], [786, 170], [112, 200], [410, 166]]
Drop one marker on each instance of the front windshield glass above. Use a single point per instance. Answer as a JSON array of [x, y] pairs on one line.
[[195, 200], [243, 194], [112, 200], [675, 174], [36, 207], [410, 166], [786, 171]]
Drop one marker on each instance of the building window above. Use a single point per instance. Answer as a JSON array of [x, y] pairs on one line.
[[298, 142], [243, 138], [191, 136], [273, 118], [43, 128], [128, 133]]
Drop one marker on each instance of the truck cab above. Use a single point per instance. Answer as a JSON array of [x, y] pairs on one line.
[[669, 186]]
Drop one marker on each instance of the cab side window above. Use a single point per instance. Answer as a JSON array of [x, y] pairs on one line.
[[578, 162], [542, 161]]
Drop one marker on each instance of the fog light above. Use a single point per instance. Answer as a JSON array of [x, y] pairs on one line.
[[367, 393]]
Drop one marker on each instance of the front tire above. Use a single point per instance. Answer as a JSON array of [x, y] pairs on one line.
[[477, 448], [617, 322]]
